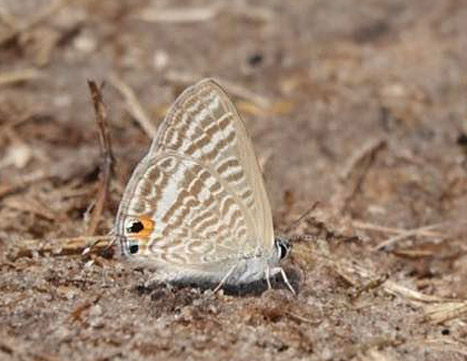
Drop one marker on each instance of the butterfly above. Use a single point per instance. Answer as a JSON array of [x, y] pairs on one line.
[[195, 208]]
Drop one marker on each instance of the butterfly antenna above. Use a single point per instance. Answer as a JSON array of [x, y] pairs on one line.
[[224, 279], [302, 237], [305, 214], [89, 248], [286, 280]]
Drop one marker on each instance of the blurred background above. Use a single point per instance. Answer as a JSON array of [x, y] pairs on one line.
[[358, 105]]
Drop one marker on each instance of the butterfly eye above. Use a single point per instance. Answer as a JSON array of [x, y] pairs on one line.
[[282, 251], [133, 248], [283, 248], [135, 226]]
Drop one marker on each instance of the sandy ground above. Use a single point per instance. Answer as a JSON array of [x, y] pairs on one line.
[[358, 105]]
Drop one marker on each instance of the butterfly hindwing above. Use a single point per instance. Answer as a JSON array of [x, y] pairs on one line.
[[196, 219]]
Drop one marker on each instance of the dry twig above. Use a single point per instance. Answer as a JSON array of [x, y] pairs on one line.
[[58, 246], [106, 152], [353, 270], [134, 106], [353, 174]]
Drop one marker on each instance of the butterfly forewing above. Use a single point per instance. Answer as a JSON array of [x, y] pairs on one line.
[[204, 124]]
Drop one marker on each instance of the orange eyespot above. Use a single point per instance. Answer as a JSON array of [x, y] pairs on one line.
[[141, 226]]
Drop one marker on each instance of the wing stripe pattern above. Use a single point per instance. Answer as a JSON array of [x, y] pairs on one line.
[[200, 185], [201, 202]]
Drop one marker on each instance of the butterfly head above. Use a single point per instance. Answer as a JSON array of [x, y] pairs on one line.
[[283, 247], [134, 234]]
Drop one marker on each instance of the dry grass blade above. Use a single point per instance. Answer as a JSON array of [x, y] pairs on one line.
[[58, 246], [32, 178], [31, 206], [20, 75], [30, 115], [180, 15], [349, 270], [383, 229], [414, 232], [353, 174], [106, 152], [231, 87], [304, 320], [446, 311], [36, 20], [66, 169], [377, 355], [361, 157], [410, 294], [134, 107], [184, 15]]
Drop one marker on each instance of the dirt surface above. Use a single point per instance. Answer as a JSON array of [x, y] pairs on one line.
[[360, 105]]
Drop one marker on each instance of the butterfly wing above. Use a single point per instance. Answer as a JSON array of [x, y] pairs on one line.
[[200, 187]]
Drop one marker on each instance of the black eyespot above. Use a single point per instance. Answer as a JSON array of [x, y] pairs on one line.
[[135, 227], [134, 248]]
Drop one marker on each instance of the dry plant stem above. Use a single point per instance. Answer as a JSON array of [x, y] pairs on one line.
[[36, 20], [20, 120], [436, 309], [303, 319], [59, 246], [445, 311], [16, 76], [351, 272], [134, 106], [354, 173], [107, 156], [383, 229], [232, 88], [66, 169], [6, 189], [414, 232], [184, 15], [180, 15], [31, 206]]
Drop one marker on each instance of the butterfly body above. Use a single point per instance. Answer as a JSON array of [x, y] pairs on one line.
[[195, 208]]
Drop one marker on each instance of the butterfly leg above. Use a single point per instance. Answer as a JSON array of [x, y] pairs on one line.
[[221, 283], [268, 277], [286, 280]]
